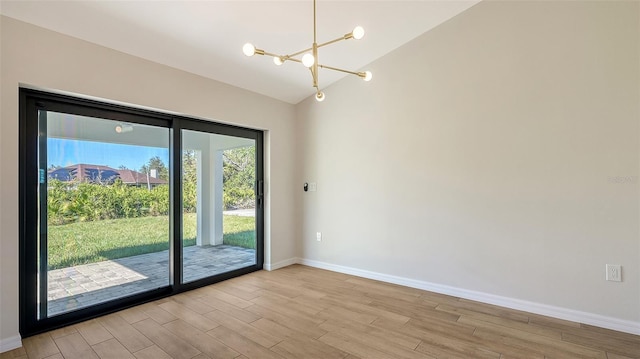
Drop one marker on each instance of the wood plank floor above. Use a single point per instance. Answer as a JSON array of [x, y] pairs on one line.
[[303, 312]]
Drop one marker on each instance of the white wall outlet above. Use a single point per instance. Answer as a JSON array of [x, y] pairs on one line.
[[614, 272], [319, 236], [313, 187]]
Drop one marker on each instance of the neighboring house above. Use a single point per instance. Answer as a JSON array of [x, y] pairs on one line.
[[104, 175]]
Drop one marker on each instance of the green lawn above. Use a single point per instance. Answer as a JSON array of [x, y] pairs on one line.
[[88, 242]]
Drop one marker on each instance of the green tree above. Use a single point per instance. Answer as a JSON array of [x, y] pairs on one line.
[[156, 163], [239, 177], [189, 180]]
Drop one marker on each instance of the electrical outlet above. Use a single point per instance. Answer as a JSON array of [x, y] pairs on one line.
[[313, 187], [319, 236], [614, 272]]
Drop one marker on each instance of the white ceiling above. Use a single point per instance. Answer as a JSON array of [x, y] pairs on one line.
[[206, 37]]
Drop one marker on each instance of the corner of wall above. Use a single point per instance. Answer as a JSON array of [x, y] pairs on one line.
[[10, 343], [281, 264]]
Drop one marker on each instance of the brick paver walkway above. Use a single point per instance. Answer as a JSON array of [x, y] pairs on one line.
[[84, 285]]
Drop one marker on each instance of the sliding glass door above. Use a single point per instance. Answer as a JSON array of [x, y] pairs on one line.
[[119, 206], [219, 203], [104, 210]]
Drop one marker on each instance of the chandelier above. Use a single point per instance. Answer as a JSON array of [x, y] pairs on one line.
[[310, 56]]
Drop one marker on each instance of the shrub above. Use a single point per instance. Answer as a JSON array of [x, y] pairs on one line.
[[83, 201]]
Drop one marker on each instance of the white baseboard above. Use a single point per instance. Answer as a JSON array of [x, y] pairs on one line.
[[281, 264], [10, 343], [621, 325]]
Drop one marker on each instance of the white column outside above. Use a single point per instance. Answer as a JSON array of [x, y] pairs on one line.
[[209, 192]]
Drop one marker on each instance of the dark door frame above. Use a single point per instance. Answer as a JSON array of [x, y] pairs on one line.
[[30, 177]]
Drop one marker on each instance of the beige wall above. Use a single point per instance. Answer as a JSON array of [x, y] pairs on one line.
[[38, 57], [498, 153]]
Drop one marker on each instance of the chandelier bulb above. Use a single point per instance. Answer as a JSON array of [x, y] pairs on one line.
[[308, 60], [278, 60], [367, 76], [320, 96], [358, 33], [249, 49]]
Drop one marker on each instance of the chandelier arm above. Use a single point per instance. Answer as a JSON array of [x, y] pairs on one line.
[[262, 52], [315, 62], [270, 54], [319, 46], [299, 52], [345, 37], [361, 74], [314, 76]]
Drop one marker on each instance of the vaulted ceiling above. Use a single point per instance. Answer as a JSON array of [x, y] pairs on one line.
[[206, 37]]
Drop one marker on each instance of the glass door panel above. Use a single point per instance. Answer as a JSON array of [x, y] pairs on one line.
[[219, 204], [103, 209]]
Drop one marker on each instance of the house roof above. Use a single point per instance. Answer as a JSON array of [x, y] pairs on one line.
[[101, 174], [130, 176]]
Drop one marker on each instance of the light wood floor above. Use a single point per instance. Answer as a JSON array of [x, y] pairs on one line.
[[302, 312]]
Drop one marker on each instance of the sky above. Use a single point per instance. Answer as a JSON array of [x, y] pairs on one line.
[[61, 152]]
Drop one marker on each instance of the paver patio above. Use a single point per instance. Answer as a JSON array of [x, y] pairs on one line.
[[84, 285]]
